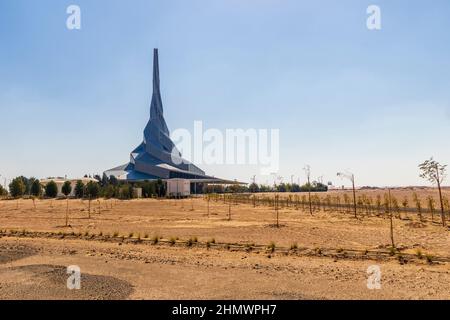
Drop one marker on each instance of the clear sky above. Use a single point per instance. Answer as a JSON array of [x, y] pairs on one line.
[[344, 97]]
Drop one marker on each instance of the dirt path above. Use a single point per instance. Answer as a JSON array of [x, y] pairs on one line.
[[35, 269]]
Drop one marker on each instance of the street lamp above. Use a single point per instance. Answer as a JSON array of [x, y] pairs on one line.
[[307, 170], [350, 176]]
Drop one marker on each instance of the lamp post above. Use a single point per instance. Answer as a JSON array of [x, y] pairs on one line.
[[307, 170], [351, 177]]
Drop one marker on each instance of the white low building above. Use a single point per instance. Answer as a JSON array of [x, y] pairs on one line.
[[178, 187], [60, 181]]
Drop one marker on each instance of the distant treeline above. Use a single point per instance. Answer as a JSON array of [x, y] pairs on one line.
[[113, 188], [105, 188]]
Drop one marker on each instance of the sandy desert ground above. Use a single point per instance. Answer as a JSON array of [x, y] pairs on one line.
[[201, 256]]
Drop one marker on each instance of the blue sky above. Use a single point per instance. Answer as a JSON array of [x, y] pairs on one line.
[[344, 97]]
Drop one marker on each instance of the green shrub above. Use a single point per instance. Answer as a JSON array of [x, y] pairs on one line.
[[419, 254], [17, 187], [392, 251], [66, 188], [36, 188], [79, 189], [51, 189]]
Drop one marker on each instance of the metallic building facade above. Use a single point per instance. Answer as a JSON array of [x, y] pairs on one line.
[[157, 157]]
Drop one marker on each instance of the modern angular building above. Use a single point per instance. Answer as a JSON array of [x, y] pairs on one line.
[[157, 157]]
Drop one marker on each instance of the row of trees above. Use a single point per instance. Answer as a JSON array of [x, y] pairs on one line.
[[259, 188], [22, 186], [107, 188], [288, 187]]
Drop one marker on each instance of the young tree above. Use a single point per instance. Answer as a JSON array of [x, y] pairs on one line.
[[36, 188], [66, 190], [391, 219], [395, 206], [92, 191], [446, 205], [113, 180], [405, 205], [51, 189], [26, 183], [3, 191], [347, 203], [307, 170], [434, 172], [378, 204], [277, 199], [418, 205], [108, 191], [125, 192], [430, 202], [17, 187], [79, 189], [253, 188]]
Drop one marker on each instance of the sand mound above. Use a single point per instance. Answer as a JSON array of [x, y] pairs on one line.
[[49, 282], [10, 253]]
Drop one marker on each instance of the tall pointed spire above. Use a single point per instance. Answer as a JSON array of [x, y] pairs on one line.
[[155, 71], [157, 156], [156, 107]]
